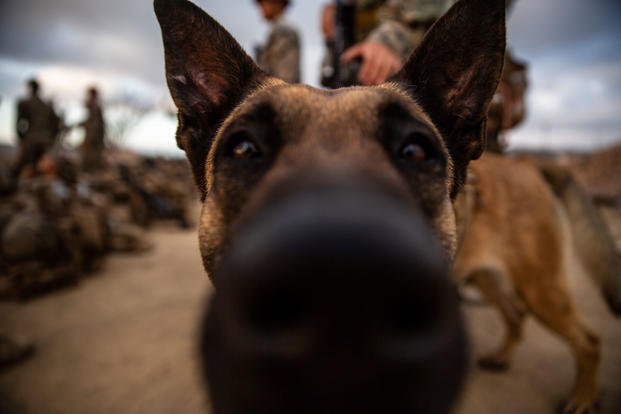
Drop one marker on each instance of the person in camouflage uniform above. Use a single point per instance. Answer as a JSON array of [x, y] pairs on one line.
[[37, 127], [94, 131], [388, 31], [280, 56]]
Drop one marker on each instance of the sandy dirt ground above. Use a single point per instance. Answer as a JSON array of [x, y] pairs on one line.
[[124, 341]]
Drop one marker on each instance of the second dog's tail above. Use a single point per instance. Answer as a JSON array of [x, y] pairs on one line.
[[590, 234]]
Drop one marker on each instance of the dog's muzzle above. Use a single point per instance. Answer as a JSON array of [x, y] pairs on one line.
[[334, 298]]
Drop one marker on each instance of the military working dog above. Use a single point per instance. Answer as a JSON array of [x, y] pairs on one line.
[[516, 221], [328, 223]]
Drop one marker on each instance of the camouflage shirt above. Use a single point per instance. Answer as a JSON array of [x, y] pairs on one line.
[[36, 119], [403, 23], [280, 56], [94, 127]]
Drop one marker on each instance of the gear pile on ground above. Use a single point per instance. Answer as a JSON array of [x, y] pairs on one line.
[[58, 224]]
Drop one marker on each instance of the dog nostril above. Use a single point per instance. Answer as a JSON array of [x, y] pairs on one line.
[[410, 314], [277, 311]]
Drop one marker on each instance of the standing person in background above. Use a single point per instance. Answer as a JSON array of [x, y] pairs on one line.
[[37, 127], [398, 29], [280, 56], [94, 130]]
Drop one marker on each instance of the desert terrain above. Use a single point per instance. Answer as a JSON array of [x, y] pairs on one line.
[[124, 341]]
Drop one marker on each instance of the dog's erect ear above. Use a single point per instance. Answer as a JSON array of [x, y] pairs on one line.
[[208, 74], [454, 73]]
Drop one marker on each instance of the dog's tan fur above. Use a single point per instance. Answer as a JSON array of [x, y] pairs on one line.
[[334, 136], [512, 243], [512, 249]]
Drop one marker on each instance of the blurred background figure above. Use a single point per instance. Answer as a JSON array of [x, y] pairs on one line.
[[508, 107], [37, 128], [280, 56], [94, 131], [369, 40]]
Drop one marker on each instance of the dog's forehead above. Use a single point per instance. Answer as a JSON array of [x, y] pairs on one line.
[[338, 107]]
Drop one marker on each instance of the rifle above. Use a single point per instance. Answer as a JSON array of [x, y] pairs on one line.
[[333, 73]]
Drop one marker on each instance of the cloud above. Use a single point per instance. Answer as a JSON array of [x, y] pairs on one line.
[[154, 134], [574, 51], [114, 34], [575, 108], [539, 27], [573, 47], [591, 92], [67, 83]]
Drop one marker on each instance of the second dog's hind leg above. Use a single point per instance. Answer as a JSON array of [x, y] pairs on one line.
[[511, 311], [556, 310]]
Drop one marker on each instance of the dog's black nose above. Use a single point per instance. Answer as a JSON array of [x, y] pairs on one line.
[[334, 300]]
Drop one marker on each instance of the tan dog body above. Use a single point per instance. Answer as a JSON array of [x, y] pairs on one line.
[[512, 248]]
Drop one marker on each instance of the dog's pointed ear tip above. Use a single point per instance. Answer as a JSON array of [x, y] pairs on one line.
[[165, 8], [494, 5], [497, 3], [161, 5], [162, 8]]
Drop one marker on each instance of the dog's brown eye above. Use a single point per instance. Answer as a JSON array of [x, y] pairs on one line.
[[246, 149], [413, 152]]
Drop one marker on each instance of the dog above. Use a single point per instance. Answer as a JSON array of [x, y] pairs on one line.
[[327, 224], [512, 247]]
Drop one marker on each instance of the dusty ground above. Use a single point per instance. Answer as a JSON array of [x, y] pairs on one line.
[[124, 342]]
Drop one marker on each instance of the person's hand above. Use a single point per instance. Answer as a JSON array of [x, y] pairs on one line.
[[379, 62], [327, 21]]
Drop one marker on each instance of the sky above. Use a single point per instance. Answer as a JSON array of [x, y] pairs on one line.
[[573, 48]]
